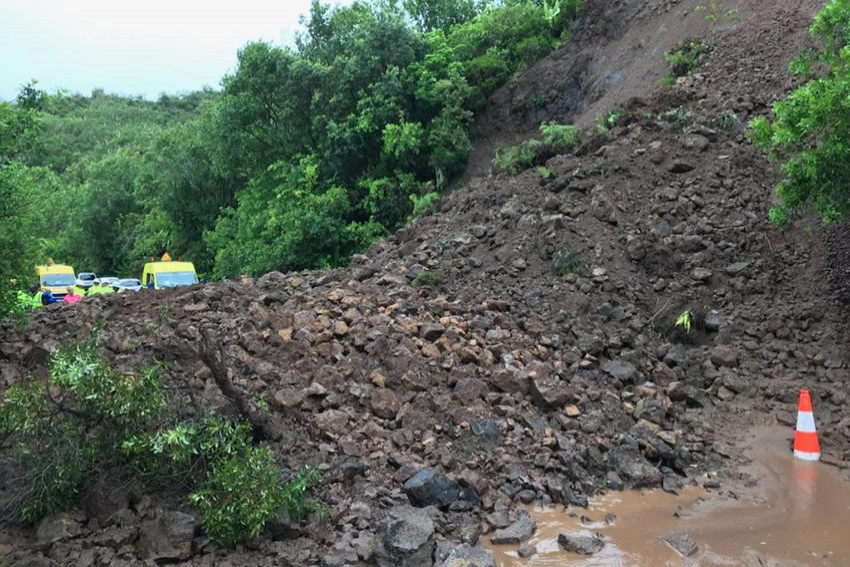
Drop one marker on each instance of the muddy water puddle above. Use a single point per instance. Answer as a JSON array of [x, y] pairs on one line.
[[798, 514]]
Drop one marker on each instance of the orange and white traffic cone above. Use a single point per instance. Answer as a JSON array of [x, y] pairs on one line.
[[806, 445]]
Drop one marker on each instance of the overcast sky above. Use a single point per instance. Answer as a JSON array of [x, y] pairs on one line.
[[143, 47]]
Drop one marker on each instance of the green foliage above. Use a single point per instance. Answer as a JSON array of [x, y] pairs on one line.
[[684, 60], [565, 262], [306, 156], [714, 15], [89, 419], [427, 278], [685, 320], [559, 136], [809, 131], [667, 81], [515, 159], [424, 204], [611, 119], [545, 173]]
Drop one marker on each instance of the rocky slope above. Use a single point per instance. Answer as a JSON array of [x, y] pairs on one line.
[[436, 410]]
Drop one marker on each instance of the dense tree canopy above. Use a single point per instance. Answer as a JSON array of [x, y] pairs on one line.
[[305, 156]]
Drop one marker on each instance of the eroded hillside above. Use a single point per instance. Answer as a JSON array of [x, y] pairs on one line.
[[506, 382]]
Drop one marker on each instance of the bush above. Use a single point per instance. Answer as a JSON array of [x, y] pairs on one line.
[[424, 204], [427, 277], [88, 420], [565, 262], [559, 135], [684, 60], [515, 159]]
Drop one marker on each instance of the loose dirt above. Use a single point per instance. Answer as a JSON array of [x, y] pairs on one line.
[[796, 514]]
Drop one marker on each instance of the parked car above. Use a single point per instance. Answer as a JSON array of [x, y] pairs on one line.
[[109, 280], [86, 279], [127, 284]]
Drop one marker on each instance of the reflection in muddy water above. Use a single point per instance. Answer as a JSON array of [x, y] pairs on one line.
[[799, 514]]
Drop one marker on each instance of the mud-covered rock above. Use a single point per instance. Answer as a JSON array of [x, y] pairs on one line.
[[682, 542], [580, 544], [519, 531]]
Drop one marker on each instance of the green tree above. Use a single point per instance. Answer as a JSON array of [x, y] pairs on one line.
[[809, 131]]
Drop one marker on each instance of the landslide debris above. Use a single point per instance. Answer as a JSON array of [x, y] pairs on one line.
[[436, 411]]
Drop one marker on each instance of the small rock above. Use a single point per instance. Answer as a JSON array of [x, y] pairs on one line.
[[701, 274], [723, 355], [466, 555], [519, 531], [623, 371], [57, 528], [526, 550], [713, 321], [681, 542], [384, 403], [679, 166], [583, 545], [572, 411]]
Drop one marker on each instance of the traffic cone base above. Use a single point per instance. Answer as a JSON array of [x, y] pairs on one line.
[[806, 444]]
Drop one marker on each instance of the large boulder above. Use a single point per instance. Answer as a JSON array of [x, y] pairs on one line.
[[168, 537], [632, 467], [57, 528], [428, 488]]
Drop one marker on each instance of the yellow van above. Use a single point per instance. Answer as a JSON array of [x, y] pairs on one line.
[[55, 278], [164, 275]]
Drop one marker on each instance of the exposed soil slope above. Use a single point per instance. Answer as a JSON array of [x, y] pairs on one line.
[[514, 383]]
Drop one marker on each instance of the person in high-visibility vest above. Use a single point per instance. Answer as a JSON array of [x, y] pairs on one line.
[[80, 290], [36, 297]]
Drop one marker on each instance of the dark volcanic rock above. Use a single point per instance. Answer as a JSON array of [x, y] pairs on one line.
[[466, 555], [581, 544], [427, 488], [519, 531], [168, 537], [623, 371], [407, 538]]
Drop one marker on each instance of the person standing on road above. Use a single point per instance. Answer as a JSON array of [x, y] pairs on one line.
[[72, 296]]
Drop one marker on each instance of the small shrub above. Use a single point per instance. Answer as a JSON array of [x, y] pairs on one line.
[[726, 121], [684, 60], [545, 173], [684, 321], [606, 122], [424, 204], [515, 159], [559, 135], [565, 262], [426, 277]]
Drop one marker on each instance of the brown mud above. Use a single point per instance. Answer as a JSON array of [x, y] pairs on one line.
[[788, 513]]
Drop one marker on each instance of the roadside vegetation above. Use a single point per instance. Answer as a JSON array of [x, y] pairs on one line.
[[305, 156], [809, 131], [88, 422]]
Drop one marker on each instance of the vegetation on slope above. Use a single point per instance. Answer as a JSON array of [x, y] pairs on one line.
[[305, 156]]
